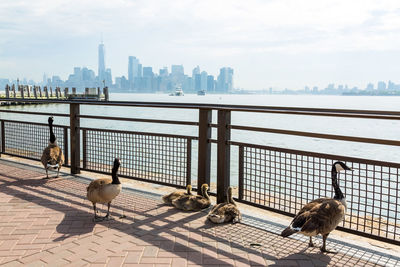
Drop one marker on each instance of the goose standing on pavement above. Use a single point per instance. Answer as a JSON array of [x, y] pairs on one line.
[[321, 216], [52, 156], [104, 190]]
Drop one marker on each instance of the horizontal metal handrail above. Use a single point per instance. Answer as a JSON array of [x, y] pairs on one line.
[[376, 114], [34, 113], [316, 154], [318, 135], [35, 123], [140, 133], [138, 120]]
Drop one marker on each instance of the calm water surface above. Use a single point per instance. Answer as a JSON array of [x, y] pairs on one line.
[[385, 129]]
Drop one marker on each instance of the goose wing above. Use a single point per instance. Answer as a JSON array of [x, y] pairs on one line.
[[57, 155], [45, 156], [320, 216], [174, 195], [189, 202], [98, 183]]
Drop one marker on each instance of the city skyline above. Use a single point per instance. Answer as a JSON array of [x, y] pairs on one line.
[[279, 44], [139, 79]]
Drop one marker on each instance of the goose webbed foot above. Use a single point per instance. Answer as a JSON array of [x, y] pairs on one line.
[[98, 219], [323, 248], [108, 217]]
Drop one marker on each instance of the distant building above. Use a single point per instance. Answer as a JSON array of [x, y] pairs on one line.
[[177, 70], [381, 85], [133, 70], [370, 87], [108, 78], [197, 82], [102, 65], [203, 83], [195, 71], [225, 80], [391, 85], [147, 81], [139, 74], [210, 83], [177, 75]]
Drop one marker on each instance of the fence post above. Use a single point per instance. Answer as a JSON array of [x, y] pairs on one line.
[[21, 89], [84, 145], [75, 143], [204, 156], [66, 156], [7, 91], [241, 168], [3, 138], [223, 152]]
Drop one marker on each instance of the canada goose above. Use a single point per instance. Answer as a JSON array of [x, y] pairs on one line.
[[104, 190], [321, 216], [225, 212], [174, 195], [52, 156], [191, 202]]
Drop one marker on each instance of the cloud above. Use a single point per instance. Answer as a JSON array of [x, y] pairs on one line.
[[220, 29]]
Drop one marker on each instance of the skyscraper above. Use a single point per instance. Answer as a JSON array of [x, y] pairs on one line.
[[102, 65], [133, 70], [225, 79], [203, 82], [195, 71]]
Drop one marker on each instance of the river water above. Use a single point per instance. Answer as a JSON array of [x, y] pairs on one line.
[[383, 129]]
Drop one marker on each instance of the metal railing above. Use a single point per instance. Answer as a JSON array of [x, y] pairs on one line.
[[269, 177]]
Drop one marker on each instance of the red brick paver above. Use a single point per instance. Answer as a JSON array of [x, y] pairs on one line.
[[49, 222]]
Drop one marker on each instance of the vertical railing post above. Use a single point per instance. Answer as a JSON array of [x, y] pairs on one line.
[[189, 161], [84, 145], [75, 138], [241, 174], [223, 154], [204, 156], [66, 156], [3, 138]]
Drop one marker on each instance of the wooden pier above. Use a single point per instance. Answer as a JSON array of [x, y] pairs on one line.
[[29, 92]]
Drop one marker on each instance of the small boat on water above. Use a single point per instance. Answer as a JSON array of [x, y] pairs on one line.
[[178, 92], [201, 92]]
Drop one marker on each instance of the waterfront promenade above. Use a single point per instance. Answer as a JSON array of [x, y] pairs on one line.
[[49, 222]]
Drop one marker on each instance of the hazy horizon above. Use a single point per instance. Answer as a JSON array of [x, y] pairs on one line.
[[277, 43]]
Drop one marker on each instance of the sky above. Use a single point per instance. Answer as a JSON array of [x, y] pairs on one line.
[[269, 43]]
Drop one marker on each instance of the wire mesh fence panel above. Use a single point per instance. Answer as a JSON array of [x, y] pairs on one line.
[[152, 157], [28, 140], [285, 180]]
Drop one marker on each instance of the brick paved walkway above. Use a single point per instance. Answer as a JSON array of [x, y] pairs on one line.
[[49, 222]]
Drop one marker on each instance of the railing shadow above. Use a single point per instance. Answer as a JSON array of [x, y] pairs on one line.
[[146, 213]]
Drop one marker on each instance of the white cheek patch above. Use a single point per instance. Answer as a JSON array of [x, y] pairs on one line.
[[338, 167]]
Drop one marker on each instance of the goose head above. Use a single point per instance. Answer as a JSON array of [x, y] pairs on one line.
[[189, 189], [340, 166]]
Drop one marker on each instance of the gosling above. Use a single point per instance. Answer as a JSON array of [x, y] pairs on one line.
[[193, 203]]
